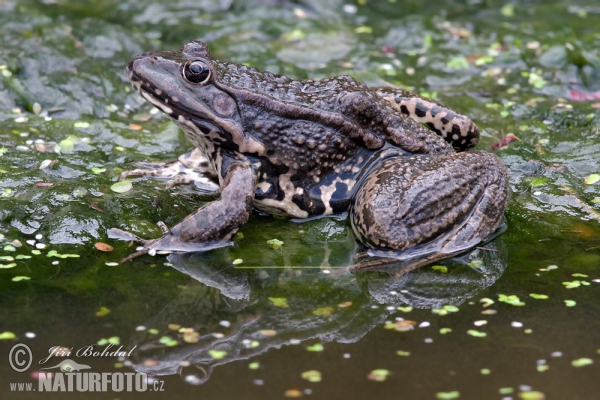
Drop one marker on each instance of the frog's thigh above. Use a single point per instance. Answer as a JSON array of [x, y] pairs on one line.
[[457, 199]]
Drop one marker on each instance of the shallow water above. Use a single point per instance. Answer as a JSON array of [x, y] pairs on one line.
[[452, 331]]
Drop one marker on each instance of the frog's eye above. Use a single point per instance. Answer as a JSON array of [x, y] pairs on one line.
[[196, 72]]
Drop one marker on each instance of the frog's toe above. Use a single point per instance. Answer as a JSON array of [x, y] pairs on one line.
[[434, 207]]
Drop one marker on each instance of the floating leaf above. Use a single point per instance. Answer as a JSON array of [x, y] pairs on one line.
[[538, 296], [458, 63], [572, 285], [217, 354], [450, 308], [532, 395], [312, 376], [276, 243], [101, 246], [485, 371], [590, 180], [579, 275], [582, 362], [7, 335], [511, 299], [506, 390], [254, 365], [6, 266], [444, 331], [447, 395], [315, 347], [20, 278], [102, 312], [237, 261], [378, 375], [324, 311], [439, 311], [570, 303], [403, 353], [67, 145], [279, 302], [81, 124], [98, 170], [122, 187], [441, 268], [405, 309], [475, 333]]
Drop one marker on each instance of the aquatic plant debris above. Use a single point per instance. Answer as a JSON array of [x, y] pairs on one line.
[[315, 347], [511, 299], [102, 312], [7, 335], [217, 354], [122, 187], [582, 362], [591, 179], [447, 395], [538, 296], [476, 333], [532, 395], [276, 243], [570, 303], [378, 375], [20, 278], [312, 376], [279, 302]]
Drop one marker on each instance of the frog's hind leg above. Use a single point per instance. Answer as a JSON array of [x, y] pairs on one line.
[[455, 128], [431, 208]]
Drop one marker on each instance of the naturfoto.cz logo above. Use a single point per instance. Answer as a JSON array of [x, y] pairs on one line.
[[69, 378]]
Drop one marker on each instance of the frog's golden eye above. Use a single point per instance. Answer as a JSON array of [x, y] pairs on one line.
[[196, 72]]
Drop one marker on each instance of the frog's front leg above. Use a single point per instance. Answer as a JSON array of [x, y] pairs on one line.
[[215, 222], [436, 207], [456, 129]]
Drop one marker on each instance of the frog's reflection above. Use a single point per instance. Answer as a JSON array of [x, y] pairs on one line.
[[233, 314]]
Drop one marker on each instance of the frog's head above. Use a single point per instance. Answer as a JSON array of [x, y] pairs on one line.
[[183, 85]]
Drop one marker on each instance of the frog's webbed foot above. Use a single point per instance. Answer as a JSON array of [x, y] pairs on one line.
[[191, 167], [456, 129], [419, 208], [210, 226]]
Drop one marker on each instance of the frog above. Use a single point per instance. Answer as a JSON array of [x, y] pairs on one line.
[[395, 161]]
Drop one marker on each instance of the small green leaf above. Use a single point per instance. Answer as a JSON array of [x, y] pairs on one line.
[[475, 333], [81, 124], [450, 308], [579, 275], [447, 395], [98, 170], [582, 362], [217, 354], [237, 261], [102, 312], [122, 187], [378, 375], [590, 180], [485, 371], [6, 266], [538, 296], [444, 331], [275, 243], [570, 303], [254, 365], [279, 302], [440, 268], [405, 309], [532, 395], [324, 311], [20, 278], [7, 335], [458, 63], [508, 10], [312, 376], [403, 353], [315, 347]]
